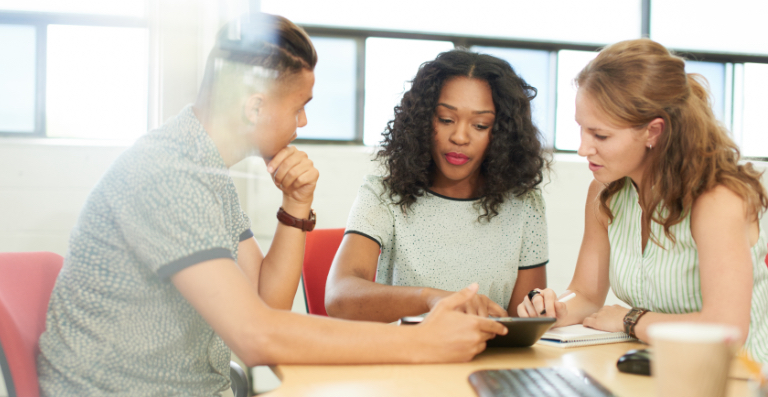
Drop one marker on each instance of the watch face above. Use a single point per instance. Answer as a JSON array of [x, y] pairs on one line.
[[631, 317]]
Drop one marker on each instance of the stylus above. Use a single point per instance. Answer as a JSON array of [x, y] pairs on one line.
[[563, 299]]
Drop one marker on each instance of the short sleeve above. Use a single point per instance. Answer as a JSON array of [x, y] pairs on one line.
[[174, 221], [534, 249], [246, 235], [242, 221], [371, 215]]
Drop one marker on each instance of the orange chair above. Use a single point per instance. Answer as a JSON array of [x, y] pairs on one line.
[[319, 251], [25, 288]]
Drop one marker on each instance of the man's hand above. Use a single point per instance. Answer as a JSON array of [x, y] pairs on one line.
[[295, 175], [451, 335], [477, 304]]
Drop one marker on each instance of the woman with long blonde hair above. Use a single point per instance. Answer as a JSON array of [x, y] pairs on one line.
[[672, 216]]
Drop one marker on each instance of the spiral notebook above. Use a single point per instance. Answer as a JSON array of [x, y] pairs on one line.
[[579, 335]]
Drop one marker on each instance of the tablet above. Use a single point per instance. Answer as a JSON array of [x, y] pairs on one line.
[[523, 332]]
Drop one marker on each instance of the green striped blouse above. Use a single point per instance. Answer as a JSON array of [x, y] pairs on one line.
[[667, 280]]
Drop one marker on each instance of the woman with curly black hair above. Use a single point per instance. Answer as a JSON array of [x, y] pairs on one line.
[[458, 203]]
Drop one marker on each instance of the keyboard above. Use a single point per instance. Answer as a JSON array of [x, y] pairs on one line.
[[551, 381]]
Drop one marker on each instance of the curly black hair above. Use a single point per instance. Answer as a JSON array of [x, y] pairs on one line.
[[514, 162]]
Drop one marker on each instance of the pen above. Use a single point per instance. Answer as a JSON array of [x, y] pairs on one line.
[[563, 299]]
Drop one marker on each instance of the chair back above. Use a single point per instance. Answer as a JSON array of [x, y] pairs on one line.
[[26, 282], [319, 251]]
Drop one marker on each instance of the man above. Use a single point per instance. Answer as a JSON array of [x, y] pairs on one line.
[[163, 276]]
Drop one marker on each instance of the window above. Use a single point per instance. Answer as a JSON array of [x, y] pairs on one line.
[[533, 66], [332, 113], [97, 82], [753, 132], [569, 64], [586, 21], [550, 68], [74, 69], [714, 72], [59, 79], [386, 80], [17, 78], [737, 26]]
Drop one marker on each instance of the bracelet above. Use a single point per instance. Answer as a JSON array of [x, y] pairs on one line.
[[287, 219], [631, 319]]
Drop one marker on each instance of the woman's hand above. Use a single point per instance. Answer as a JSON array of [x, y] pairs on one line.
[[545, 301], [479, 305], [608, 318], [294, 174]]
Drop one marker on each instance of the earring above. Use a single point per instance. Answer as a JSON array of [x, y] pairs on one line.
[[650, 146]]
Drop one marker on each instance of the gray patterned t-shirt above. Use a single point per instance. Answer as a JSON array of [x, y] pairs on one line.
[[116, 325], [439, 242]]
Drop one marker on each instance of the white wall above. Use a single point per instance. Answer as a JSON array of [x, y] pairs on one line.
[[42, 187]]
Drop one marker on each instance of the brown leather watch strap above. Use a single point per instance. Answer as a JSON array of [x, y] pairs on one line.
[[287, 219]]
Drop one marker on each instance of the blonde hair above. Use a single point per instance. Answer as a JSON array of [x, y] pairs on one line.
[[636, 81]]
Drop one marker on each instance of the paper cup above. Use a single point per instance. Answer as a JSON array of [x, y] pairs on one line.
[[692, 359]]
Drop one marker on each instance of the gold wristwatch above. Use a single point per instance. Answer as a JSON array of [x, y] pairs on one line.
[[630, 320]]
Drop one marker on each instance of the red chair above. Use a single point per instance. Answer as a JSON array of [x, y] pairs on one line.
[[319, 251], [26, 282]]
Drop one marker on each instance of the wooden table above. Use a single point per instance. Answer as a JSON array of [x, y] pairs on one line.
[[451, 379]]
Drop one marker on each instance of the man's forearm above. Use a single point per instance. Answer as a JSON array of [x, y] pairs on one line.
[[285, 341], [281, 268]]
